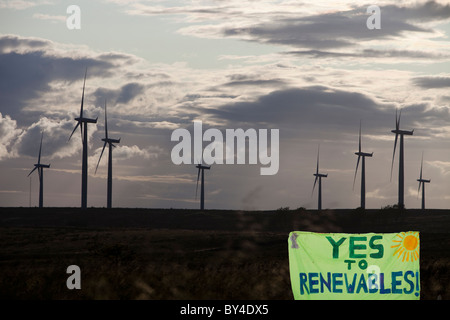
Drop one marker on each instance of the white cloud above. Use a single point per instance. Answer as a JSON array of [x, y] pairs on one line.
[[20, 4], [48, 17], [56, 144], [128, 152], [377, 194], [443, 166], [170, 179], [8, 134], [121, 153]]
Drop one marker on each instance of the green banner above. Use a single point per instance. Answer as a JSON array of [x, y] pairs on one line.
[[368, 266]]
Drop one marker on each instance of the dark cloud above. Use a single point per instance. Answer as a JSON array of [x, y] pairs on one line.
[[319, 112], [432, 82], [370, 53], [342, 29], [195, 96], [123, 94], [14, 43], [428, 11], [307, 106], [28, 72], [26, 76], [269, 83]]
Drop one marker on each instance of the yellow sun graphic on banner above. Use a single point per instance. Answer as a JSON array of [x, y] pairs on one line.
[[407, 244]]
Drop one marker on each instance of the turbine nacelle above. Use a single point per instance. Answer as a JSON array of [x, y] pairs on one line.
[[403, 132], [201, 166], [108, 140], [38, 165], [364, 154], [86, 120], [321, 175]]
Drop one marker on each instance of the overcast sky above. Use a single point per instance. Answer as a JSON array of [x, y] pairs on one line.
[[311, 69]]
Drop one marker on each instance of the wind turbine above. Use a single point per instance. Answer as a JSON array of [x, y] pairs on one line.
[[110, 142], [362, 155], [422, 183], [201, 168], [40, 167], [82, 122], [319, 176], [401, 170]]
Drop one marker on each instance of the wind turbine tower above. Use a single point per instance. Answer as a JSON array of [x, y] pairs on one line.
[[422, 184], [362, 155], [82, 122], [319, 177], [40, 167], [110, 143], [401, 168], [201, 168]]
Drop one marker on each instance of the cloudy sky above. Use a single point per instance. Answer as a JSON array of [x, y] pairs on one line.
[[311, 69]]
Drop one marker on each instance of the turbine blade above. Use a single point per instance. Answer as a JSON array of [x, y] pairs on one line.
[[40, 148], [81, 131], [398, 120], [106, 123], [314, 186], [101, 154], [74, 129], [198, 178], [393, 154], [82, 96], [317, 167], [356, 171], [31, 171], [359, 137], [421, 165]]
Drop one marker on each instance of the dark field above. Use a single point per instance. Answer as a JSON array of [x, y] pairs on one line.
[[187, 254]]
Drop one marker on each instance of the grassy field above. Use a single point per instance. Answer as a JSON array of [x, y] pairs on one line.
[[187, 254]]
